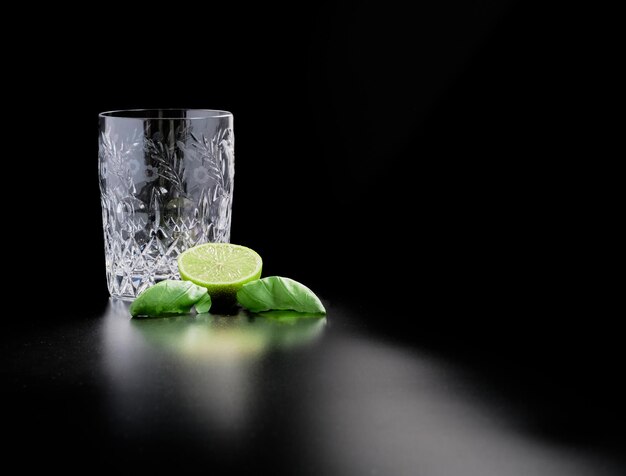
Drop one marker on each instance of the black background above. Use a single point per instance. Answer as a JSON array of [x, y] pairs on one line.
[[439, 165]]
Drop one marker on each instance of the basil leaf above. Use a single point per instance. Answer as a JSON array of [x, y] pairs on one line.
[[167, 297], [204, 304], [277, 293]]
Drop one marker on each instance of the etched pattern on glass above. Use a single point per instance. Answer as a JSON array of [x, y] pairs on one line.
[[162, 192]]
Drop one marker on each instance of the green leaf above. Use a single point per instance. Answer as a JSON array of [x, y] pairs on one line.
[[167, 297], [204, 304], [277, 293]]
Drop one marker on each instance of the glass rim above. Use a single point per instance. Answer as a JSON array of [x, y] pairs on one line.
[[165, 113]]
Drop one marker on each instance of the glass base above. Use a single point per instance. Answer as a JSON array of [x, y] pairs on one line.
[[128, 286]]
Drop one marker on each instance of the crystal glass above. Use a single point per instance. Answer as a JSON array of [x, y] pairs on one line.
[[166, 182]]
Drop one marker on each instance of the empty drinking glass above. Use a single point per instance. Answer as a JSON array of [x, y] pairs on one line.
[[166, 182]]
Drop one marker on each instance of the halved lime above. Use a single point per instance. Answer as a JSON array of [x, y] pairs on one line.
[[222, 268]]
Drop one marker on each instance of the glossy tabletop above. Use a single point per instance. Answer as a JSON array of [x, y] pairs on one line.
[[263, 395]]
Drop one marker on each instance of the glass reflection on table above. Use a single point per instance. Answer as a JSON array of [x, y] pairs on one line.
[[211, 362]]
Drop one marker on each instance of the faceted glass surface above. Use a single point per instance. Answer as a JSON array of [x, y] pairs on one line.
[[166, 181]]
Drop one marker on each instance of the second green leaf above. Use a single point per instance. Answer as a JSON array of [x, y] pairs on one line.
[[278, 293]]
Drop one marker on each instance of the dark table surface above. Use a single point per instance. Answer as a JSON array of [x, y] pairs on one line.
[[313, 396]]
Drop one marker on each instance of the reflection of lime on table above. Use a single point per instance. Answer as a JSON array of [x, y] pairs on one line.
[[239, 336]]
